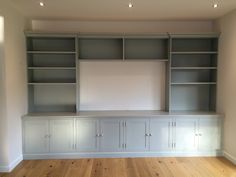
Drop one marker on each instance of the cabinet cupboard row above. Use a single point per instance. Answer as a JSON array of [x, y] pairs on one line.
[[121, 135]]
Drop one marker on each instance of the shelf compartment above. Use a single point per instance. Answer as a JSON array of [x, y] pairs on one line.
[[193, 97], [100, 48], [51, 60], [51, 76], [151, 48], [52, 98], [53, 44], [194, 44], [185, 76], [194, 60]]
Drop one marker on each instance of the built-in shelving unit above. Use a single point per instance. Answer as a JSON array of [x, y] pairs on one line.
[[51, 72], [190, 60], [193, 72]]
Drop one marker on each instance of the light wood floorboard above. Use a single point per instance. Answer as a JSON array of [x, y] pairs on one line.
[[126, 167]]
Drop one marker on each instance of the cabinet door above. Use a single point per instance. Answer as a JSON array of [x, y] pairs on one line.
[[36, 136], [111, 136], [87, 135], [209, 134], [160, 134], [185, 134], [136, 138], [61, 135]]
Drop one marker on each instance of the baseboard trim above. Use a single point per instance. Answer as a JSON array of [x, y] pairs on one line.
[[230, 157], [119, 155], [11, 166]]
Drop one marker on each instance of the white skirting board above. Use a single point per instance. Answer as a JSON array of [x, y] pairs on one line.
[[230, 157], [119, 155], [12, 165]]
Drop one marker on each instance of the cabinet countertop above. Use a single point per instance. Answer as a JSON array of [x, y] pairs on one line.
[[123, 114]]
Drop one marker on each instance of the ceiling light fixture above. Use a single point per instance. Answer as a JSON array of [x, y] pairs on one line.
[[130, 5], [215, 5], [41, 4]]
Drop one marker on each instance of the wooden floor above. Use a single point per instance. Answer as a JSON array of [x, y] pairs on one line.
[[130, 167]]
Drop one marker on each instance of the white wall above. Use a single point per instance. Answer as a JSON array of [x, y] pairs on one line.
[[227, 80], [117, 85], [123, 26], [13, 86]]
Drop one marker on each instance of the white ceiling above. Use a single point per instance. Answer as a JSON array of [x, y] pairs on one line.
[[118, 9]]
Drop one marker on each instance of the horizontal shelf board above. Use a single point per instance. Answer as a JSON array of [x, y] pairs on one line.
[[45, 83], [194, 36], [92, 59], [52, 52], [155, 59], [190, 68], [52, 68], [194, 83], [194, 52]]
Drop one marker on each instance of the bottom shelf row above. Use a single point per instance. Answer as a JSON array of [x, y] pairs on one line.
[[52, 98], [62, 98]]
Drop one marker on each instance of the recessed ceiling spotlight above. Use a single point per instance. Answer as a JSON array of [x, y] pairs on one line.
[[215, 5], [41, 4], [130, 5]]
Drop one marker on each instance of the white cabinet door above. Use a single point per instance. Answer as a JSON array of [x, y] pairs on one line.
[[61, 135], [135, 135], [110, 135], [87, 135], [185, 133], [36, 136], [209, 134], [160, 134]]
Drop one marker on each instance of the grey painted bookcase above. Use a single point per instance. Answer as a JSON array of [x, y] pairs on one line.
[[51, 72], [191, 66], [193, 72]]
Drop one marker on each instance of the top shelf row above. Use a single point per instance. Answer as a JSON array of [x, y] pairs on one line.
[[90, 47]]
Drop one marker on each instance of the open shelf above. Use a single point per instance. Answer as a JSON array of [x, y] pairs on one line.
[[188, 97], [194, 60], [51, 60], [100, 48], [52, 76], [194, 45], [183, 76], [52, 98], [51, 44], [151, 48]]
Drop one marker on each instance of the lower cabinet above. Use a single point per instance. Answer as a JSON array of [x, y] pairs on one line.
[[165, 134], [160, 134], [44, 136], [185, 130], [36, 136], [209, 134], [87, 133], [136, 135], [197, 134], [99, 135]]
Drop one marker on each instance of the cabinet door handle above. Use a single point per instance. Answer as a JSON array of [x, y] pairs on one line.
[[200, 134], [196, 134], [101, 135], [150, 134], [146, 134], [46, 136]]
